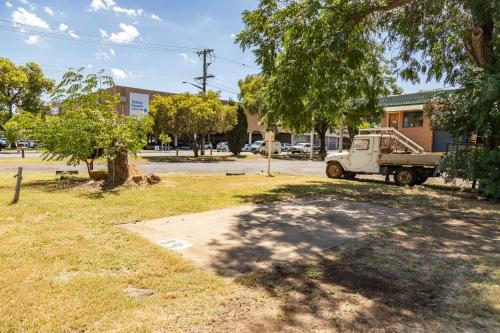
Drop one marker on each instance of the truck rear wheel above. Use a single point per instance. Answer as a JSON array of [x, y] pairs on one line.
[[334, 170], [405, 177]]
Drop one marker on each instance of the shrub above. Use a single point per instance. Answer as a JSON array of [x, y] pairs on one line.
[[237, 137], [474, 164]]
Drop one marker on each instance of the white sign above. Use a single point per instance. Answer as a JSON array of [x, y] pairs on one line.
[[174, 244], [139, 104]]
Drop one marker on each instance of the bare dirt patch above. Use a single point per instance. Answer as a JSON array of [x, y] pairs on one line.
[[431, 274]]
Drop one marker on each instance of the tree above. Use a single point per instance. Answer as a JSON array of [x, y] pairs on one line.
[[22, 88], [21, 126], [313, 67], [192, 115], [237, 137], [89, 126]]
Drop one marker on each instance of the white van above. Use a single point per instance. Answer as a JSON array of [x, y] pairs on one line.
[[260, 147]]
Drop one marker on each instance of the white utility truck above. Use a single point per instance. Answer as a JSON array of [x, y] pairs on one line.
[[384, 151]]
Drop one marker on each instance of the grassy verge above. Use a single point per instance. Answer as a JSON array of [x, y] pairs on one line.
[[66, 267]]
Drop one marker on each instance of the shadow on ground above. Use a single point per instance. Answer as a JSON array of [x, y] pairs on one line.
[[431, 274], [191, 159]]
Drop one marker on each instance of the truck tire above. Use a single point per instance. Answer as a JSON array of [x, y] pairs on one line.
[[405, 177], [421, 180], [334, 170]]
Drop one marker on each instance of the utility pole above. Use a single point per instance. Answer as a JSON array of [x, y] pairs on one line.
[[208, 57]]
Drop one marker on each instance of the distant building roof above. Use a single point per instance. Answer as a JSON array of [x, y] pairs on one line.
[[410, 99]]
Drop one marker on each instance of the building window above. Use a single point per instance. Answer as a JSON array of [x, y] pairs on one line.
[[413, 119]]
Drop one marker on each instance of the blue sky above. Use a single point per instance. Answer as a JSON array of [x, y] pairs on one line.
[[186, 24]]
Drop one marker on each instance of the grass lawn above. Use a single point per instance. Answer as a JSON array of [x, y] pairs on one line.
[[67, 267]]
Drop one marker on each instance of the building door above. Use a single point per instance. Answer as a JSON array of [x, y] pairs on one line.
[[394, 120]]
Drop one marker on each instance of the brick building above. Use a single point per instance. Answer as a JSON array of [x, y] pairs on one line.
[[407, 114]]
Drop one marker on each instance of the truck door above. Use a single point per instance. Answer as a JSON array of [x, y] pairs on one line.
[[361, 155]]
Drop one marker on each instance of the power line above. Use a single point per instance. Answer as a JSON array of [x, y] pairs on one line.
[[27, 28], [218, 87], [236, 62]]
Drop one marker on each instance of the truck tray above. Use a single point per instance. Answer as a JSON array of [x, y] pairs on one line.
[[423, 159]]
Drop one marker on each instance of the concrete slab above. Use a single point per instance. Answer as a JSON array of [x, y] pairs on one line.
[[237, 240]]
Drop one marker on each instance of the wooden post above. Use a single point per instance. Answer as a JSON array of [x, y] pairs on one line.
[[22, 152], [269, 138], [18, 184], [177, 152]]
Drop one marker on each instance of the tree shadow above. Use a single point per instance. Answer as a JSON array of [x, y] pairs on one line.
[[190, 159], [395, 280]]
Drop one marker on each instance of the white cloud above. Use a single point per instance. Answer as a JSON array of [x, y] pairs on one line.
[[63, 27], [89, 66], [96, 5], [72, 34], [127, 11], [119, 74], [22, 16], [8, 4], [188, 58], [103, 33], [128, 34], [103, 55], [48, 10], [27, 3], [232, 35], [156, 17], [32, 39]]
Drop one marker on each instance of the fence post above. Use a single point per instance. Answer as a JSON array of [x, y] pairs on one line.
[[18, 184]]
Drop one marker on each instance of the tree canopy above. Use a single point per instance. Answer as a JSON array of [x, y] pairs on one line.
[[22, 89], [192, 115], [237, 137], [314, 67]]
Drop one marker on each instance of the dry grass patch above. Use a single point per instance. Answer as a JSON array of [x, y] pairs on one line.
[[66, 267]]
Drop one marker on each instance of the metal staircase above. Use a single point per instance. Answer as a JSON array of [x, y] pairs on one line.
[[396, 135]]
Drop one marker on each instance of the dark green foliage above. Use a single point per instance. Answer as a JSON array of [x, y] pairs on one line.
[[237, 137], [474, 164]]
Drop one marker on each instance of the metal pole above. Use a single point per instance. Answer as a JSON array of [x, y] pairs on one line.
[[312, 145], [341, 136], [269, 151], [18, 184]]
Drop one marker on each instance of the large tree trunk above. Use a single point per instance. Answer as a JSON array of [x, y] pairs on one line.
[[203, 145], [118, 170], [194, 145], [322, 148]]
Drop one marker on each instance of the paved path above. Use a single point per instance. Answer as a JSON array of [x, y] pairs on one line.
[[237, 240]]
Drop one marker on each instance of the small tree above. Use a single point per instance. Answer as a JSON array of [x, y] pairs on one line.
[[237, 137], [21, 126], [192, 115], [89, 127]]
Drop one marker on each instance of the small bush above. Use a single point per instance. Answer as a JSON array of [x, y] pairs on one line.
[[474, 164]]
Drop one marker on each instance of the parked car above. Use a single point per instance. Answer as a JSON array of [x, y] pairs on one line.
[[222, 146], [25, 144], [260, 147], [286, 147], [208, 145], [247, 147], [301, 148], [4, 143]]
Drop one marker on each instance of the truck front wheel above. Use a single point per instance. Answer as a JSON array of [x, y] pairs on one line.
[[405, 177], [334, 170]]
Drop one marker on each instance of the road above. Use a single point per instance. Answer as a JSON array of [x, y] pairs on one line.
[[248, 166]]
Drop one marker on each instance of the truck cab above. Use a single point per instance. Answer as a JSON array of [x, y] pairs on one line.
[[383, 151]]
